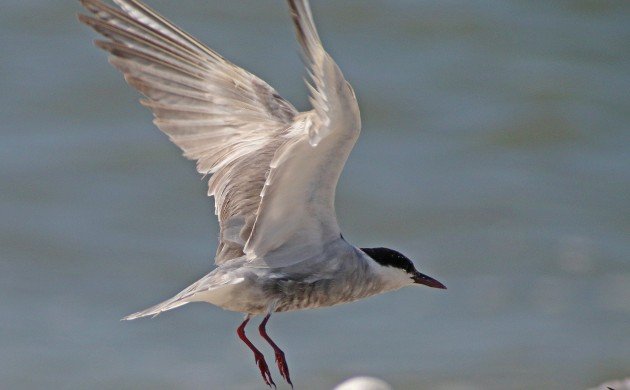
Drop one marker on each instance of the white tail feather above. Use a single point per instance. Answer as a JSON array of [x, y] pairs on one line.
[[157, 309]]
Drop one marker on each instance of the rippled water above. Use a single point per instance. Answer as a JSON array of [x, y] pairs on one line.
[[495, 152]]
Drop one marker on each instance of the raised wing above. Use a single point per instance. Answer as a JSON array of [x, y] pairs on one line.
[[228, 120], [296, 217]]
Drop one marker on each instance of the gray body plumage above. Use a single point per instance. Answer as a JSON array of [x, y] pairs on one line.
[[341, 274]]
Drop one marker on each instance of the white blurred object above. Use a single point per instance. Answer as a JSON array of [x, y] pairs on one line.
[[363, 383], [623, 384]]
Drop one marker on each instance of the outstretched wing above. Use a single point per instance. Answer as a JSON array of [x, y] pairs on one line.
[[274, 171], [228, 120], [296, 218]]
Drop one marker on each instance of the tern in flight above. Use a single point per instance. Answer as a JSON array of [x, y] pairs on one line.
[[273, 170]]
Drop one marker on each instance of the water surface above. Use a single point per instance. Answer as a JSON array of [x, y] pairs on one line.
[[494, 153]]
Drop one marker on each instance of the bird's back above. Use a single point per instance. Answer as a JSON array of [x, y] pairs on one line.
[[342, 274]]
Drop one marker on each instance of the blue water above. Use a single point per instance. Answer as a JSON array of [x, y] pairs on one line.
[[495, 153]]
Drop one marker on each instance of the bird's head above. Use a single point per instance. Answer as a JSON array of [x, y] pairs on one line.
[[397, 269]]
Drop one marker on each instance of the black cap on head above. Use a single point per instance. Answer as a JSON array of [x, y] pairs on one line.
[[391, 258]]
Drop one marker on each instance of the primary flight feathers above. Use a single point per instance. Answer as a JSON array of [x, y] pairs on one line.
[[264, 156]]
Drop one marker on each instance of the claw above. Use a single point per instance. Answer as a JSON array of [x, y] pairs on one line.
[[259, 358], [280, 359], [283, 367], [264, 369]]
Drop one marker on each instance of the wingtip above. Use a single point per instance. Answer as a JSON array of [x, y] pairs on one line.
[[86, 20], [101, 44], [130, 317]]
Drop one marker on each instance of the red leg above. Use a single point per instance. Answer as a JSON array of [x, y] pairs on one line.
[[258, 356], [282, 363]]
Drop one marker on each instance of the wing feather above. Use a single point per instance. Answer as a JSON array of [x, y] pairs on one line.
[[220, 115], [296, 216], [273, 170]]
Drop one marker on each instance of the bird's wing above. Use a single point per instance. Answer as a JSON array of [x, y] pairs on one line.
[[296, 217], [228, 120]]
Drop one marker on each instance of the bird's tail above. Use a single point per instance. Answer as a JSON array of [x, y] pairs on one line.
[[153, 311], [189, 294], [178, 300]]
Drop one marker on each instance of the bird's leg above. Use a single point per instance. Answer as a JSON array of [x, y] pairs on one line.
[[280, 360], [258, 356]]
